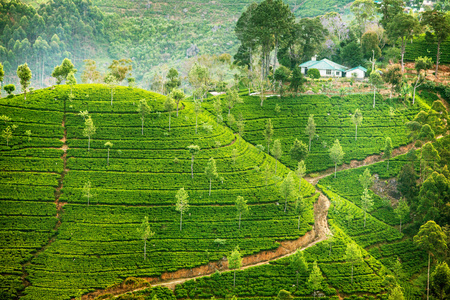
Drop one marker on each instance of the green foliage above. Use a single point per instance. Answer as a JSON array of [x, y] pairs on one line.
[[9, 88], [62, 71], [313, 73]]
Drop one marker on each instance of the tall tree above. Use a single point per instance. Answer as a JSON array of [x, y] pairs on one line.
[[182, 204], [297, 80], [211, 172], [402, 211], [315, 278], [375, 80], [89, 130], [336, 155], [366, 203], [310, 130], [298, 263], [245, 33], [422, 64], [366, 179], [301, 172], [120, 68], [71, 80], [86, 191], [174, 80], [24, 74], [197, 111], [143, 110], [277, 152], [432, 239], [146, 233], [111, 81], [353, 255], [193, 150], [287, 189], [298, 151], [241, 207], [393, 76], [388, 150], [62, 71], [403, 27], [364, 11], [169, 105], [439, 22], [178, 96], [232, 98], [7, 133], [357, 120], [440, 281], [108, 145], [268, 133], [396, 294], [235, 262], [389, 9], [90, 73]]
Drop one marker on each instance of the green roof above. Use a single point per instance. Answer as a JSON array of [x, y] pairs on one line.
[[324, 64]]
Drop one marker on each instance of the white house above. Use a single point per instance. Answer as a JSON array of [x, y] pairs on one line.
[[358, 72], [327, 68]]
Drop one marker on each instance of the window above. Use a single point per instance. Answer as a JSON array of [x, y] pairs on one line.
[[328, 72], [338, 73]]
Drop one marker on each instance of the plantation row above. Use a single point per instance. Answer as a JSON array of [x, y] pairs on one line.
[[99, 244], [332, 116], [29, 175]]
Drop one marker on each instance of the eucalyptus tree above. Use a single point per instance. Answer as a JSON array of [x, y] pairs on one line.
[[145, 231], [177, 95], [108, 145], [277, 152], [357, 118], [336, 155], [298, 263], [24, 74], [287, 189], [193, 150], [235, 262], [310, 130], [143, 110], [241, 207], [353, 255], [268, 133], [89, 130], [211, 172], [301, 172], [169, 105], [182, 204]]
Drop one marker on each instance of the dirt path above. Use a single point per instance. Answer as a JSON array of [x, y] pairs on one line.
[[287, 248]]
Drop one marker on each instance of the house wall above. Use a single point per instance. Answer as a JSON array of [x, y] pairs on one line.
[[323, 73], [360, 74]]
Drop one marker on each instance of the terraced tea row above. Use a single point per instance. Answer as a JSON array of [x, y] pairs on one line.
[[332, 116], [30, 171], [99, 244]]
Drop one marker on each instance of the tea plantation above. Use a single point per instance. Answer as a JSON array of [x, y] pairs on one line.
[[97, 245], [332, 116]]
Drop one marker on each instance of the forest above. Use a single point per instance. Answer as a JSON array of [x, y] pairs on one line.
[[149, 150]]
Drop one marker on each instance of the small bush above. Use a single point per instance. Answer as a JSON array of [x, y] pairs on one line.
[[313, 73], [9, 88]]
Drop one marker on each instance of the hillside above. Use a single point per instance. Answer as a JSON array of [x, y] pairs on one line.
[[145, 172]]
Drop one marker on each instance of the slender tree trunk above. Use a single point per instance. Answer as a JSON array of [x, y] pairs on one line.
[[400, 225], [111, 96], [89, 143], [352, 273], [142, 128], [145, 249], [300, 185], [414, 90], [229, 110], [239, 220], [181, 220], [169, 121], [108, 157], [298, 228], [356, 132], [364, 219], [335, 166], [374, 90], [329, 254], [43, 68], [268, 144], [275, 54], [437, 59], [403, 54], [388, 164], [285, 204], [297, 278], [309, 150], [251, 63], [210, 187], [192, 166], [428, 277], [234, 279], [177, 108], [276, 164], [196, 124], [88, 198]]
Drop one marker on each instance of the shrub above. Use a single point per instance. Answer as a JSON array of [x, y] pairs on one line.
[[313, 73]]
